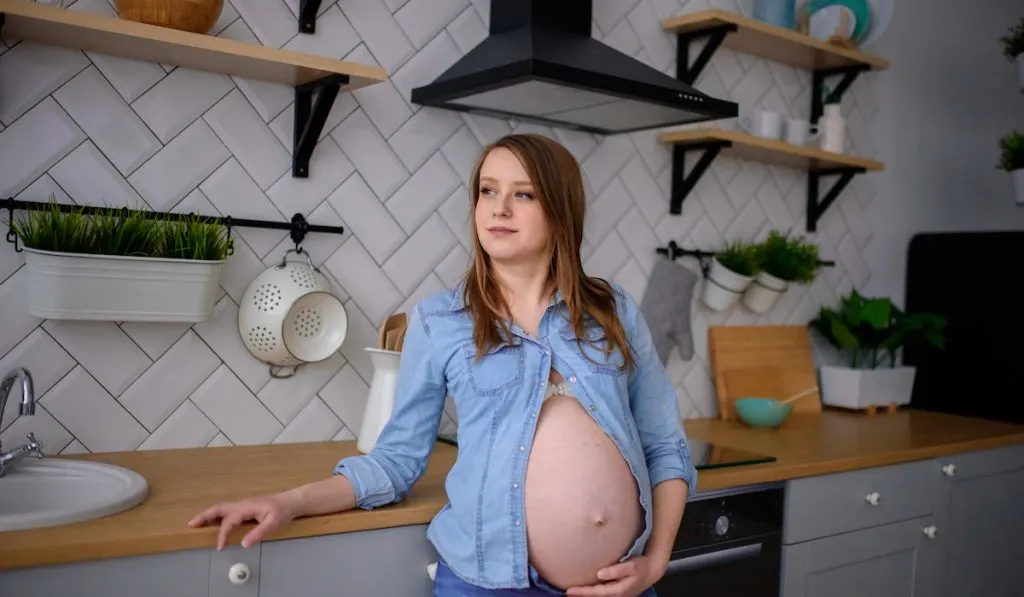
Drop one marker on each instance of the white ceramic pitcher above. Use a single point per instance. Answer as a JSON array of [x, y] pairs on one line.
[[381, 400]]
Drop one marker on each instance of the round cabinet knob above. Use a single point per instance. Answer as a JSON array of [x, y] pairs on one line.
[[873, 498], [930, 531], [949, 470], [238, 574]]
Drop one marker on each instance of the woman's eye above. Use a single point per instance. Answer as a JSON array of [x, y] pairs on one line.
[[524, 195], [486, 191]]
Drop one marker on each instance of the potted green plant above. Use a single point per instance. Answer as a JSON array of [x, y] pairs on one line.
[[731, 271], [782, 260], [1011, 159], [121, 267], [1013, 49], [870, 332]]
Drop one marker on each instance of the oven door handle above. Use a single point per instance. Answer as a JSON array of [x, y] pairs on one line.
[[714, 558]]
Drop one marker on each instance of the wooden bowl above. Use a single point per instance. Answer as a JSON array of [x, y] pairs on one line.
[[195, 16]]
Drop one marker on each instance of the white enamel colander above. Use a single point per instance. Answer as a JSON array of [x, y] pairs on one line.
[[289, 316]]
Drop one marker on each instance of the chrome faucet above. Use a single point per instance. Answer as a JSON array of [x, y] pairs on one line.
[[27, 408]]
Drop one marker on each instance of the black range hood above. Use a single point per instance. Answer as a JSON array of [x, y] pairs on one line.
[[540, 64]]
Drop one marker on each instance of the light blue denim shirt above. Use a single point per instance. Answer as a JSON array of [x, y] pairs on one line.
[[481, 531]]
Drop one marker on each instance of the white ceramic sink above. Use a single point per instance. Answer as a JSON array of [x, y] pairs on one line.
[[53, 491]]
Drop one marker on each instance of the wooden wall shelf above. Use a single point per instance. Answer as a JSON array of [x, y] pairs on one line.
[[727, 29], [713, 141], [20, 19], [774, 43]]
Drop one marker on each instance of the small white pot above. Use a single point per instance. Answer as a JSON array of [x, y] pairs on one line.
[[723, 286], [1020, 71], [119, 288], [760, 296], [380, 402], [858, 389], [1017, 176]]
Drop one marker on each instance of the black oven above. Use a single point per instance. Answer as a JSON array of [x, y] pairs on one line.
[[729, 543]]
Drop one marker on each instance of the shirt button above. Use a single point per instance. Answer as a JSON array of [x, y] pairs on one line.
[[517, 522], [515, 486], [572, 379], [593, 407], [522, 448]]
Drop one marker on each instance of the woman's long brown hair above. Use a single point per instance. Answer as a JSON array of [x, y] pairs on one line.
[[558, 183]]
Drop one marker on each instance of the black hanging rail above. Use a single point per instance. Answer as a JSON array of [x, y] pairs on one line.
[[298, 227], [674, 251]]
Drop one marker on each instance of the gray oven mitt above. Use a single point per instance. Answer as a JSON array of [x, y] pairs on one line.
[[666, 307]]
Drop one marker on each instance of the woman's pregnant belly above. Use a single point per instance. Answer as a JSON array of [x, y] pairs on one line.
[[582, 504]]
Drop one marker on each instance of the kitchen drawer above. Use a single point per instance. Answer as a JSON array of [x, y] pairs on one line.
[[984, 463], [831, 504]]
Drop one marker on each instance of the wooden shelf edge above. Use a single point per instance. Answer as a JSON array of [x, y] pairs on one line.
[[738, 138], [707, 19], [87, 31]]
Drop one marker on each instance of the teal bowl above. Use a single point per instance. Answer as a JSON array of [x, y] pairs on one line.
[[762, 412]]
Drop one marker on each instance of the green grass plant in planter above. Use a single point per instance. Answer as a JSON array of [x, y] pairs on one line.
[[869, 333], [1011, 159], [1013, 49], [121, 266], [731, 271], [782, 260]]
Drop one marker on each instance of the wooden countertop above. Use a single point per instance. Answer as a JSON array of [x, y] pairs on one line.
[[183, 482]]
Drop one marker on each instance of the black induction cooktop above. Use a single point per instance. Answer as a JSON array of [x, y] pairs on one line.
[[710, 456], [705, 455]]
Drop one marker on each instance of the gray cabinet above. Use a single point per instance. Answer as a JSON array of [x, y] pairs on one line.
[[175, 574], [944, 527], [378, 563], [981, 518]]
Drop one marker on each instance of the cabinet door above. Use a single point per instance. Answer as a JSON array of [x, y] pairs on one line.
[[174, 574], [895, 560], [981, 514], [365, 564]]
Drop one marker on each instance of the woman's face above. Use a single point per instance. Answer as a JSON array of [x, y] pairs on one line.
[[509, 218]]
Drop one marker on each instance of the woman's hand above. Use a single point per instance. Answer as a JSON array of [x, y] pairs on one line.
[[625, 579], [270, 512]]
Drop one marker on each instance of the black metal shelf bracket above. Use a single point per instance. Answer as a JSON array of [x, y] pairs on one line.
[[817, 204], [674, 251], [819, 78], [310, 118], [297, 227], [683, 183], [688, 73], [308, 10]]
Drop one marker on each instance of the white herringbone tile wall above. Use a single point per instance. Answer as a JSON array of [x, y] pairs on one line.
[[96, 129]]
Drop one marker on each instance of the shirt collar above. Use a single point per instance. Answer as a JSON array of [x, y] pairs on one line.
[[458, 302]]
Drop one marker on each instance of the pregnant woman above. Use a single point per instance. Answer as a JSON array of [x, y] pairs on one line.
[[573, 469]]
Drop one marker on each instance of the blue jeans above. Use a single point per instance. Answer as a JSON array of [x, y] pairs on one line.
[[447, 584]]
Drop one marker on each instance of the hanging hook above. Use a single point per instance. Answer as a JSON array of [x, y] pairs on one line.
[[227, 235], [298, 233], [12, 236]]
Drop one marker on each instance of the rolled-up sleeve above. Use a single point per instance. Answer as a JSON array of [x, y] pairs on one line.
[[399, 458], [652, 399]]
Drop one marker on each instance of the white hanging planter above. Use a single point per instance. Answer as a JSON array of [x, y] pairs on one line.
[[120, 288], [760, 296], [1017, 177], [723, 286], [859, 389], [1019, 61]]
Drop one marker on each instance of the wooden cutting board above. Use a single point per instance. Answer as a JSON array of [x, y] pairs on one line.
[[764, 361]]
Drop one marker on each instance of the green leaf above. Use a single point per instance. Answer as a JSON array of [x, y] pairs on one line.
[[843, 336], [877, 312]]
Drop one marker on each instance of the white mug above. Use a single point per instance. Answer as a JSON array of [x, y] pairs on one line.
[[799, 132], [764, 123]]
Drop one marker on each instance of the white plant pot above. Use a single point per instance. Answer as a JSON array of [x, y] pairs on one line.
[[1017, 176], [1019, 60], [723, 286], [118, 288], [381, 400], [858, 389], [761, 295]]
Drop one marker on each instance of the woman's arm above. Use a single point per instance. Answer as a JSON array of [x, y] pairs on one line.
[[669, 502], [399, 458]]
